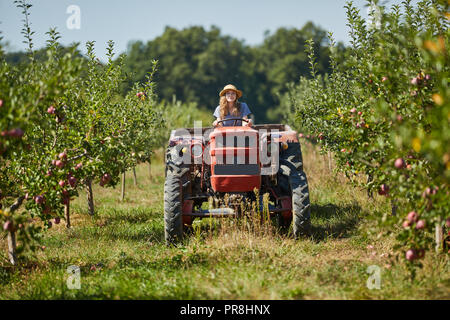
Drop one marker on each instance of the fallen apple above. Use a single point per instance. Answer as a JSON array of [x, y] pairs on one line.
[[411, 255]]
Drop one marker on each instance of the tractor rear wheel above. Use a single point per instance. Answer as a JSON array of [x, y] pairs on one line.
[[294, 178], [301, 208]]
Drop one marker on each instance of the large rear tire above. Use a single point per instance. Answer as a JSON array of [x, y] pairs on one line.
[[291, 169], [301, 208]]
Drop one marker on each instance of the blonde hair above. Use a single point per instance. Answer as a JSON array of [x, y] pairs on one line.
[[235, 111]]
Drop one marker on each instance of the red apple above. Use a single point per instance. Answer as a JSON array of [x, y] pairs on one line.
[[1, 103], [16, 133], [414, 81], [72, 181], [406, 224], [57, 220], [447, 222], [384, 189], [59, 164], [62, 183], [51, 110], [78, 166], [411, 255], [353, 110], [63, 155], [412, 216], [39, 199], [420, 224], [8, 226], [399, 163]]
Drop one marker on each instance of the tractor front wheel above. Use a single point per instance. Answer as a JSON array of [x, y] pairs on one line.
[[173, 208]]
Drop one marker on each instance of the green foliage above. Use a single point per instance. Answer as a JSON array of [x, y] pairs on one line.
[[384, 111]]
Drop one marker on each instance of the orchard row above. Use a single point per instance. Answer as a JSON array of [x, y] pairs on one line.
[[384, 112], [63, 126]]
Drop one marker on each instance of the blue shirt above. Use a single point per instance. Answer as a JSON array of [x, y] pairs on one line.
[[245, 111]]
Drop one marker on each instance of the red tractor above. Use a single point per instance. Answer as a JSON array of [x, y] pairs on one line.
[[229, 162]]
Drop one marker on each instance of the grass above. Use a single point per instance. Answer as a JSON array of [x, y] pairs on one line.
[[122, 255]]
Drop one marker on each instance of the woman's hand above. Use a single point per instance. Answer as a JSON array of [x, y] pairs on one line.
[[249, 123], [215, 123]]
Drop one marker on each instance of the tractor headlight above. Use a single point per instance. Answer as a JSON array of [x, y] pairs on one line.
[[197, 150]]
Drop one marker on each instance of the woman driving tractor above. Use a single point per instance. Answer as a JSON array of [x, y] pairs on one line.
[[229, 108]]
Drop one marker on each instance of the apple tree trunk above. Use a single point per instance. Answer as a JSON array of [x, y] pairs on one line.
[[134, 176], [67, 213], [12, 247], [90, 197], [439, 237], [122, 195]]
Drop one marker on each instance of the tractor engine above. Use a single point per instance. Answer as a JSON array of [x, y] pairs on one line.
[[234, 155]]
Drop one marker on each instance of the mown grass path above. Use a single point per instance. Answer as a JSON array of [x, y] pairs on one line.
[[122, 255]]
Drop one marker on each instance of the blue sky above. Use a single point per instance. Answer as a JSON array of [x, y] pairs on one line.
[[122, 21]]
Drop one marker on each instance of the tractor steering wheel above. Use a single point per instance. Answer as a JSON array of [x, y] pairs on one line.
[[235, 121]]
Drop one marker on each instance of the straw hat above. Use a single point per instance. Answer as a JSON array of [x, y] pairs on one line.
[[231, 87]]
